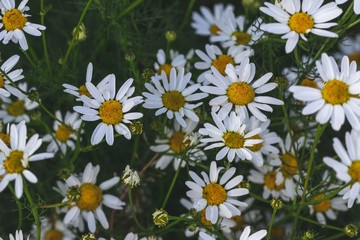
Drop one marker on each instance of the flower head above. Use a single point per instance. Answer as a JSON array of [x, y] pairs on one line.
[[14, 75], [177, 61]]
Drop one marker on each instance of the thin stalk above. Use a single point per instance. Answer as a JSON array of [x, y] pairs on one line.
[[187, 14], [19, 205], [55, 205], [129, 8], [34, 210], [133, 209], [320, 224], [271, 224], [172, 185], [42, 22]]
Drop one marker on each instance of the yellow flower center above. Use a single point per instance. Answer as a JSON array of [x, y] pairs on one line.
[[301, 22], [289, 165], [91, 197], [221, 61], [6, 138], [322, 206], [239, 220], [355, 57], [336, 92], [177, 142], [13, 162], [13, 19], [306, 82], [63, 133], [203, 218], [242, 38], [53, 234], [173, 100], [2, 82], [354, 170], [84, 91], [16, 108], [240, 93], [256, 147], [270, 179], [166, 68], [214, 29], [233, 140], [214, 194], [111, 112]]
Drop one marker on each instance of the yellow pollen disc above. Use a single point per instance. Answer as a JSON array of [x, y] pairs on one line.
[[16, 108], [322, 206], [6, 138], [84, 91], [13, 162], [289, 165], [111, 112], [13, 19], [53, 234], [2, 82], [270, 179], [203, 218], [336, 92], [214, 194], [306, 82], [355, 57], [256, 147], [173, 100], [233, 140], [177, 142], [221, 61], [91, 197], [240, 93], [63, 133], [354, 170], [242, 38], [166, 68], [301, 22], [214, 29], [239, 220]]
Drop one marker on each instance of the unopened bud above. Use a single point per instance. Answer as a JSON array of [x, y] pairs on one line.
[[170, 36], [160, 217], [276, 203], [351, 230]]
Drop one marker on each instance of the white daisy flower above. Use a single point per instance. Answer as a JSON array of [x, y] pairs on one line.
[[348, 170], [111, 108], [244, 236], [54, 229], [356, 5], [232, 135], [15, 159], [174, 147], [177, 61], [299, 18], [216, 198], [16, 111], [337, 98], [91, 197], [351, 47], [65, 132], [172, 96], [204, 22], [15, 22], [14, 75], [238, 92], [18, 236], [214, 56]]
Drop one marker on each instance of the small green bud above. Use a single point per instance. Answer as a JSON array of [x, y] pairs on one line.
[[130, 57], [88, 236], [64, 174], [80, 35], [351, 230], [170, 36], [160, 217], [282, 82], [73, 193], [308, 235], [276, 203], [136, 128], [147, 74], [33, 95], [245, 184]]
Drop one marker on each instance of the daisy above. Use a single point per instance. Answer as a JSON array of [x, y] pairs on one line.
[[216, 198], [15, 22], [231, 135], [177, 61], [65, 132], [14, 160], [244, 236], [18, 236], [111, 108], [171, 95], [356, 5], [238, 92], [348, 170], [299, 18], [337, 98], [91, 198], [214, 56], [174, 147], [204, 23], [351, 47], [14, 76], [54, 229]]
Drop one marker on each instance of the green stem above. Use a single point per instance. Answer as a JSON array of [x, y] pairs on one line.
[[320, 224], [353, 24], [32, 63], [129, 8], [42, 22], [55, 205], [34, 210], [133, 209], [19, 205], [271, 224], [172, 185], [187, 14]]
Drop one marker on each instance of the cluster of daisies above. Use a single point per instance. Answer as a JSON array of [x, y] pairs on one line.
[[215, 107]]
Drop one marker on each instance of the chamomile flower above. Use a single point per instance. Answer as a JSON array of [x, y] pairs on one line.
[[232, 135], [15, 22], [298, 18], [238, 92], [172, 95], [18, 236], [174, 147], [65, 132], [15, 159], [54, 229], [14, 75], [111, 108], [204, 22], [351, 47], [348, 170], [177, 61], [91, 198], [216, 198], [356, 5], [244, 236], [337, 98], [214, 56]]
